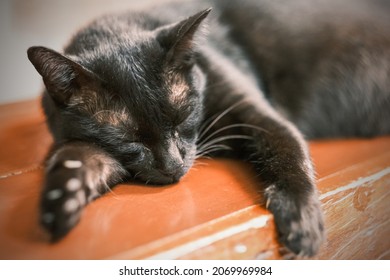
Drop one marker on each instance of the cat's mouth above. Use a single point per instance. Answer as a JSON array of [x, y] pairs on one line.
[[158, 177], [167, 178]]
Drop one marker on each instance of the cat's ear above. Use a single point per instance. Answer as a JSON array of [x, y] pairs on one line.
[[178, 38], [62, 76]]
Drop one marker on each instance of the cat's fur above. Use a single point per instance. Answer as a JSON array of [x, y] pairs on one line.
[[140, 95]]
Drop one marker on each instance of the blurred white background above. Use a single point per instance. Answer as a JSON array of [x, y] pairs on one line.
[[50, 23]]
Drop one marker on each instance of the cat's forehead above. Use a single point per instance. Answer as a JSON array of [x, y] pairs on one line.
[[115, 118], [178, 90], [145, 81], [102, 108], [148, 93]]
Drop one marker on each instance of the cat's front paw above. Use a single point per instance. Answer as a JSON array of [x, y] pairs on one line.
[[299, 223], [63, 198], [304, 235]]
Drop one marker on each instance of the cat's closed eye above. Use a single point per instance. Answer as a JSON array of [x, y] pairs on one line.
[[134, 151], [187, 132], [146, 137]]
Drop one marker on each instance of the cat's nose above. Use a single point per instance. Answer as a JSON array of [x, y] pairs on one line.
[[172, 165]]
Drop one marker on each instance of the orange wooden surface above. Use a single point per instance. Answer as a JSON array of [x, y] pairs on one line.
[[216, 211]]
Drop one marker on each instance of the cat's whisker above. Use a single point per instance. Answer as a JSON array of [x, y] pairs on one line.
[[238, 125], [213, 148], [203, 130], [202, 148], [204, 157], [136, 174], [109, 190], [199, 163], [224, 138]]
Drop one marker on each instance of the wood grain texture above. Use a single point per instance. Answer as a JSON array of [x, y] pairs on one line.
[[215, 212]]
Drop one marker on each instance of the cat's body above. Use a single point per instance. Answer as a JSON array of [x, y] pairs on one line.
[[138, 96]]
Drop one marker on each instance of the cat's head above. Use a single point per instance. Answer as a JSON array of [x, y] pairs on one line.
[[136, 95]]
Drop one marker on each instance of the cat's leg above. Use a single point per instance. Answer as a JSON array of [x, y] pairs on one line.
[[76, 173], [281, 157], [258, 134]]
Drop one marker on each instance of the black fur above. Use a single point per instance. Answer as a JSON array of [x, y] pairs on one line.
[[141, 95]]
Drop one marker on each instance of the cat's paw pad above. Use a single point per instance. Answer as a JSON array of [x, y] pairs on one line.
[[63, 199]]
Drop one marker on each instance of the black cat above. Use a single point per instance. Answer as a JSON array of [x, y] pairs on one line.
[[141, 95]]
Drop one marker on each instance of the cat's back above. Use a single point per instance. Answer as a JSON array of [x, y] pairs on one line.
[[283, 33], [324, 64]]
